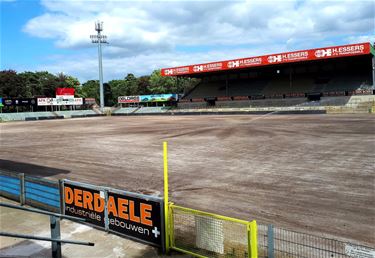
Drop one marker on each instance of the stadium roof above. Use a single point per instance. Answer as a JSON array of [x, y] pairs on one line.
[[272, 59]]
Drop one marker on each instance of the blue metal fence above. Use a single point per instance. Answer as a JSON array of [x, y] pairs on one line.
[[37, 192], [10, 186], [48, 195]]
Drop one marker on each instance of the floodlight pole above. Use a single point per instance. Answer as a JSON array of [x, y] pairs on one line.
[[101, 74], [99, 38]]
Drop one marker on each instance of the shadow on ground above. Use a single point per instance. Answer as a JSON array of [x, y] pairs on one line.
[[30, 169]]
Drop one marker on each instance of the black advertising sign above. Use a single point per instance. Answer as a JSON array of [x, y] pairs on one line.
[[8, 102], [20, 102], [84, 203], [135, 217], [130, 214]]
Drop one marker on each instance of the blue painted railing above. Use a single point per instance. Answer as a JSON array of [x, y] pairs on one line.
[[37, 192], [10, 185]]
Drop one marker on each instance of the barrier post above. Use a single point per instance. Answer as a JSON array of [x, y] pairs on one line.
[[252, 238], [55, 234], [106, 220], [62, 194], [22, 188], [270, 241], [166, 201]]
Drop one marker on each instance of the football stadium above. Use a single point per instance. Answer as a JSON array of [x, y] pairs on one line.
[[266, 156]]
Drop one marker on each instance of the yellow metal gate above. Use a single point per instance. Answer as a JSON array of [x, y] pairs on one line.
[[204, 234]]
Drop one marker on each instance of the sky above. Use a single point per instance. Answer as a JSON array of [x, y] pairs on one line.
[[54, 35]]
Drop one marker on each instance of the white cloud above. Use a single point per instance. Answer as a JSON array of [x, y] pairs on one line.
[[144, 35]]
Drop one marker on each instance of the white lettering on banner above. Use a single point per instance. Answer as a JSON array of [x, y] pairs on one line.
[[252, 61], [323, 52], [156, 232], [273, 59], [233, 64], [359, 251], [296, 55], [130, 226], [168, 72], [183, 69], [349, 49], [303, 55], [198, 68], [213, 66], [339, 51], [128, 99], [59, 101], [65, 96]]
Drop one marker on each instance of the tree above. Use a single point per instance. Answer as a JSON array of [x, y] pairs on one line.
[[90, 89], [131, 84], [161, 84], [11, 84], [73, 82], [118, 88], [31, 83], [166, 84], [108, 98], [144, 85]]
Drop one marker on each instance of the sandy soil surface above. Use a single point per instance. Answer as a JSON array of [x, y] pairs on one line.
[[310, 173]]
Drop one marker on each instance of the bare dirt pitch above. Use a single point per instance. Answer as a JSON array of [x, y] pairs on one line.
[[311, 173]]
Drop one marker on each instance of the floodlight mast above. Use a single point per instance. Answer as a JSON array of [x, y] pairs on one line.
[[99, 39]]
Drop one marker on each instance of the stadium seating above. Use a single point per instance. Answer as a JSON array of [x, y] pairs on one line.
[[152, 110], [235, 88], [207, 89], [45, 115], [72, 113], [246, 87], [346, 83], [26, 116], [125, 110], [337, 84]]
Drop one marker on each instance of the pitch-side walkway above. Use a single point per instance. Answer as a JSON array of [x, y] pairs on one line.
[[106, 245]]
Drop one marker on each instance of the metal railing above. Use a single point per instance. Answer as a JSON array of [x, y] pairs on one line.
[[276, 242], [273, 242], [36, 192], [54, 226]]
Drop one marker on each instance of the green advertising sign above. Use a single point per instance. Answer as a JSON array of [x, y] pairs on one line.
[[158, 98]]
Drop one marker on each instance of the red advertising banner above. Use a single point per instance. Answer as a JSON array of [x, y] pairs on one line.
[[281, 58], [128, 99], [64, 91]]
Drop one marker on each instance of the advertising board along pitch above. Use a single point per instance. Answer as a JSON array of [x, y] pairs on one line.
[[63, 101], [134, 215]]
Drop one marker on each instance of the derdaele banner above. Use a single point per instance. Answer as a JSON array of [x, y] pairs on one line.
[[128, 215], [135, 217], [84, 203]]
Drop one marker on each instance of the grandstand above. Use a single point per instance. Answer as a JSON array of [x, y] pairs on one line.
[[140, 110], [46, 115], [285, 79]]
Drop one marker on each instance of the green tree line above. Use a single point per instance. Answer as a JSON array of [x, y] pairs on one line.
[[38, 84]]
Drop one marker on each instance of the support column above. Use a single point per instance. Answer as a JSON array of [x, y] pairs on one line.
[[226, 87], [373, 71], [55, 234], [22, 188], [270, 243]]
